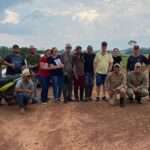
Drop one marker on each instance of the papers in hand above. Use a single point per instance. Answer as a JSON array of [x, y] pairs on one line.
[[57, 61]]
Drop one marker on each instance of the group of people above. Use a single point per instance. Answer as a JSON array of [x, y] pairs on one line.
[[76, 71]]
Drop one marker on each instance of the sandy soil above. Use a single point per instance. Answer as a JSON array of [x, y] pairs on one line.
[[76, 126]]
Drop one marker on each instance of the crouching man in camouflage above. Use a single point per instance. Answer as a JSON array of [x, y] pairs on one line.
[[116, 85], [137, 84]]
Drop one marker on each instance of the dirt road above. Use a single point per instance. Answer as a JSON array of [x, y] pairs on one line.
[[76, 126]]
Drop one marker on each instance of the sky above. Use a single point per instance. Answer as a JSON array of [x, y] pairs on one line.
[[48, 23]]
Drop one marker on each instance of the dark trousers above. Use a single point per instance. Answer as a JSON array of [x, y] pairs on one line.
[[67, 90], [79, 85], [22, 99], [149, 83], [57, 83], [89, 82], [44, 81]]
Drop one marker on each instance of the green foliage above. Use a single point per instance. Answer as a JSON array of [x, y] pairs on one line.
[[4, 51]]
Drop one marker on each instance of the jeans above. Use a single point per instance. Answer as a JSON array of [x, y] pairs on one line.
[[89, 83], [44, 81], [67, 90], [57, 84], [22, 99]]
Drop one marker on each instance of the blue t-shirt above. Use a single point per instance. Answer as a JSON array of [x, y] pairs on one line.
[[56, 61], [18, 61], [132, 60]]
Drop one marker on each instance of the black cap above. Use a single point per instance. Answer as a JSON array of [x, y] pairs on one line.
[[136, 47], [104, 44], [78, 47], [89, 47], [15, 46]]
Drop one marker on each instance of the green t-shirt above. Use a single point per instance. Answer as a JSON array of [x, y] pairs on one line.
[[33, 61]]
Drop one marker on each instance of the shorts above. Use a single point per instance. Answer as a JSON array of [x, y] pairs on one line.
[[100, 79]]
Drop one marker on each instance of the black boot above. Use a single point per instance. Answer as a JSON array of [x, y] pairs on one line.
[[81, 94], [122, 103], [138, 98], [131, 100]]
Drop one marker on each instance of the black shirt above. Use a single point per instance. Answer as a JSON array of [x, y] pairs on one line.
[[56, 61], [117, 59], [89, 62], [132, 60]]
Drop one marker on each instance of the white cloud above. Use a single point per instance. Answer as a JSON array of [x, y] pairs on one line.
[[56, 22], [87, 16], [11, 17]]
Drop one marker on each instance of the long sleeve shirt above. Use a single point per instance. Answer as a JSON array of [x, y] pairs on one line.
[[135, 80]]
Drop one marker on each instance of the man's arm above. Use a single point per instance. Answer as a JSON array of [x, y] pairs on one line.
[[144, 84], [110, 64], [20, 90], [124, 82], [7, 62], [95, 64]]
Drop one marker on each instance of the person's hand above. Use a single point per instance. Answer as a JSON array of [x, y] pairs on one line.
[[12, 66], [28, 91], [62, 65]]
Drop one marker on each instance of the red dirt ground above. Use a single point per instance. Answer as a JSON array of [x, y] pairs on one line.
[[76, 126]]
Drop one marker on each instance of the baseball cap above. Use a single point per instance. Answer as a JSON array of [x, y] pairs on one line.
[[68, 45], [26, 72], [117, 65], [138, 65]]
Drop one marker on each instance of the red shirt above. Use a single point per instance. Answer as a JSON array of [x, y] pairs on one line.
[[43, 72]]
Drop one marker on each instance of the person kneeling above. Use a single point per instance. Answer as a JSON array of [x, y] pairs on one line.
[[116, 85], [24, 90], [137, 84]]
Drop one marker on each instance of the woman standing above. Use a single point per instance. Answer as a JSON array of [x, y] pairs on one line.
[[56, 65], [43, 74], [116, 56]]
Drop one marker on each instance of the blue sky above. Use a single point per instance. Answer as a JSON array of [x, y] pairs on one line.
[[48, 23]]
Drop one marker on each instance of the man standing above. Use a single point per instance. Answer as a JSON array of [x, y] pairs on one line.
[[33, 63], [135, 58], [14, 62], [103, 64], [116, 84], [33, 60], [24, 90], [137, 84], [89, 72], [78, 70], [67, 60], [1, 63]]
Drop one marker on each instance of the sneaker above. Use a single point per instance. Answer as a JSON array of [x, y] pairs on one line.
[[44, 103], [122, 102], [139, 100], [131, 100], [90, 99], [22, 110], [104, 98]]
